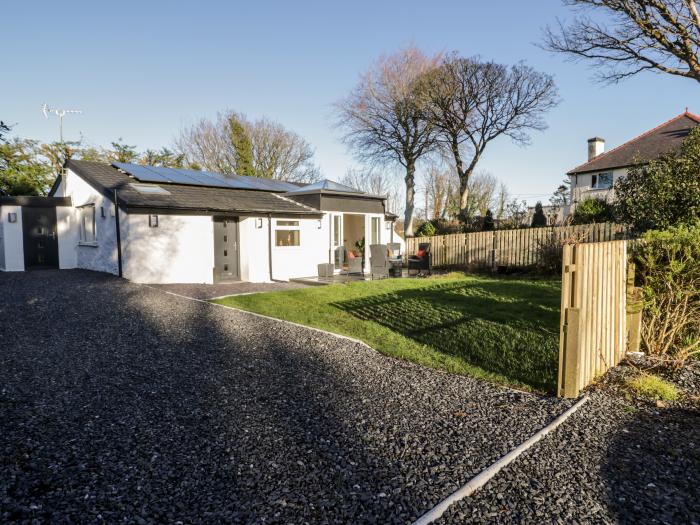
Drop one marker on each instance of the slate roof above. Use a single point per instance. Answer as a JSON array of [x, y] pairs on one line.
[[648, 146], [106, 178]]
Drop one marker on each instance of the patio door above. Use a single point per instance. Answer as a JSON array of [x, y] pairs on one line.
[[336, 238]]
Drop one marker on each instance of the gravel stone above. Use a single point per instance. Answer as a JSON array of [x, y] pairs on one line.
[[120, 403], [618, 459]]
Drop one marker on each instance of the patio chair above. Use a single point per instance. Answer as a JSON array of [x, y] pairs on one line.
[[355, 265], [394, 250], [422, 261], [379, 261]]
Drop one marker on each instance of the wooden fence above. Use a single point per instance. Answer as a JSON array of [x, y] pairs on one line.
[[510, 248], [594, 318]]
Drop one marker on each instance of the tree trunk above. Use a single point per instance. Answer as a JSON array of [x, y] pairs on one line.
[[410, 198]]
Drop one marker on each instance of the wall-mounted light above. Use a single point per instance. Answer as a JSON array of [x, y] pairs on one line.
[[153, 221], [12, 217], [320, 224], [387, 225], [102, 212], [258, 222]]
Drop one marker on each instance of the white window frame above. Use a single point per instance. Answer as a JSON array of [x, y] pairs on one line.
[[87, 238], [375, 236], [596, 185], [281, 227]]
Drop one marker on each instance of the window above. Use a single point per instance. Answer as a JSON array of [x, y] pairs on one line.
[[87, 224], [150, 189], [602, 181], [287, 233], [376, 224], [337, 225]]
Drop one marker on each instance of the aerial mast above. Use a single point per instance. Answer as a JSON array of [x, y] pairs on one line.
[[60, 113]]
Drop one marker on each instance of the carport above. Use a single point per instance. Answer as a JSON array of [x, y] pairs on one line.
[[29, 234]]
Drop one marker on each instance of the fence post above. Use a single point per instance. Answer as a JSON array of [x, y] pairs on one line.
[[572, 356], [635, 304]]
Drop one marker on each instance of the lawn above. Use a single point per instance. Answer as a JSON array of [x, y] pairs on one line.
[[500, 329]]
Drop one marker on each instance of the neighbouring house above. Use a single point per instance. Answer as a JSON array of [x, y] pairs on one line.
[[596, 177], [164, 225]]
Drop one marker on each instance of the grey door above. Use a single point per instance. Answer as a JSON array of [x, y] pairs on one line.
[[226, 266], [40, 239]]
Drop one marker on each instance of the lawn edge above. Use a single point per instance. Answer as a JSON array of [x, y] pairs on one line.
[[503, 385]]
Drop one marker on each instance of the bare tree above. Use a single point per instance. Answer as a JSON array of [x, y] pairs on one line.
[[377, 182], [208, 145], [641, 35], [437, 191], [277, 153], [382, 117], [482, 192], [470, 103]]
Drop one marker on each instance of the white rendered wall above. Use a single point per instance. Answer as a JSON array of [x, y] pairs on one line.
[[179, 250], [100, 256], [582, 187], [12, 239], [288, 262], [68, 235]]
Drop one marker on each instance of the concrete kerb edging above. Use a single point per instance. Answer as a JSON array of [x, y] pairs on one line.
[[208, 301], [298, 325], [485, 476]]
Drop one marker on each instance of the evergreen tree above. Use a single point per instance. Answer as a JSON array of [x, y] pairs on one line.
[[122, 152], [539, 219], [242, 145], [489, 224]]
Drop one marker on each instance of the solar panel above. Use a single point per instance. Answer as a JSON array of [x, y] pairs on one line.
[[201, 178]]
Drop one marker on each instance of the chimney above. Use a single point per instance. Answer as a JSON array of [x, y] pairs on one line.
[[596, 146]]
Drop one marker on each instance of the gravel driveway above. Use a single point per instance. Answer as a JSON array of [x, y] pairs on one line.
[[120, 403]]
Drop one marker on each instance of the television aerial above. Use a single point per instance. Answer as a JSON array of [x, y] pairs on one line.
[[60, 113]]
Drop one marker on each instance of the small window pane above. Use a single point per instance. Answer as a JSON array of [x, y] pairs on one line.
[[375, 230], [288, 223], [287, 237], [87, 223]]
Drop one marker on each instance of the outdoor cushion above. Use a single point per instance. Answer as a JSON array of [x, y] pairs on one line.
[[421, 253]]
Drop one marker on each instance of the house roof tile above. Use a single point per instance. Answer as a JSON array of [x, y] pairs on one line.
[[650, 145]]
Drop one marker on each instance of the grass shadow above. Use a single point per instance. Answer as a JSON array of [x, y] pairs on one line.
[[506, 327]]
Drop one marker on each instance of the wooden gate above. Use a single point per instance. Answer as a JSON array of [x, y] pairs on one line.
[[593, 335]]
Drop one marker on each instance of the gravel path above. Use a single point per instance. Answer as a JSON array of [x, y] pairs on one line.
[[119, 403], [614, 461]]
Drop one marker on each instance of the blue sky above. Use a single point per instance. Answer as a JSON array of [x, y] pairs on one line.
[[140, 70]]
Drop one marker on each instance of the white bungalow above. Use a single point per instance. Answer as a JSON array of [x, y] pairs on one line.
[[164, 225]]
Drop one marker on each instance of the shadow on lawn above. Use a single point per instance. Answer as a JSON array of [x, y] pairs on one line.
[[652, 468], [506, 327]]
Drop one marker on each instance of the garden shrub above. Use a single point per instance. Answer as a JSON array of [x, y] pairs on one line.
[[668, 270], [592, 210], [550, 250], [427, 229]]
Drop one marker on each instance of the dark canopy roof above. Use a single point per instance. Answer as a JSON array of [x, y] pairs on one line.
[[650, 145], [184, 198]]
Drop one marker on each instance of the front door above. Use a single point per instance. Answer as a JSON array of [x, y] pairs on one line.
[[226, 250], [40, 238]]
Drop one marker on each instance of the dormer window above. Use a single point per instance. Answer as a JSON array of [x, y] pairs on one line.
[[602, 181]]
